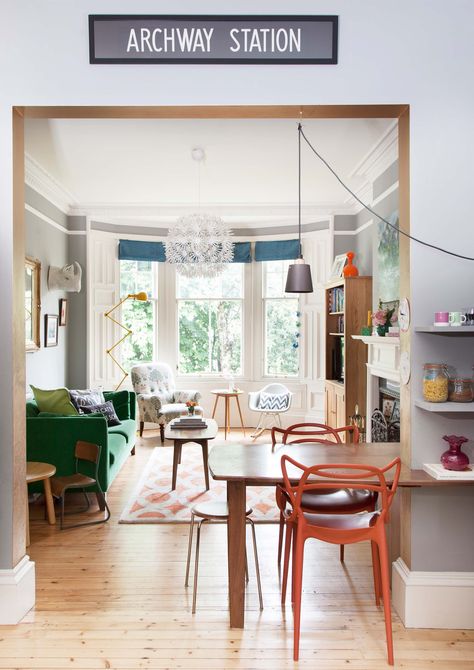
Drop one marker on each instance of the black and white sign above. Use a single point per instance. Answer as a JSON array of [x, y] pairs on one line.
[[213, 39]]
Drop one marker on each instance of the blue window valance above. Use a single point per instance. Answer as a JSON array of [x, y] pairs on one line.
[[279, 250], [138, 250]]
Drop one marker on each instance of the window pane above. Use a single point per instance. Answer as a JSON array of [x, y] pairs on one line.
[[138, 316], [228, 285], [274, 278], [210, 336], [281, 357], [138, 348], [193, 320]]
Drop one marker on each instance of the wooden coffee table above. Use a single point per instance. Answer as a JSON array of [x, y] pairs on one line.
[[182, 436]]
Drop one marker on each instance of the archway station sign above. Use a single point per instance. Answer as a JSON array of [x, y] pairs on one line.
[[213, 39]]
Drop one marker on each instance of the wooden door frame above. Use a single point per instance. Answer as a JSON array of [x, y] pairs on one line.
[[400, 112]]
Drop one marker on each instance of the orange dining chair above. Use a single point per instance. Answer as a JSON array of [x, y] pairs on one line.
[[341, 528], [328, 501]]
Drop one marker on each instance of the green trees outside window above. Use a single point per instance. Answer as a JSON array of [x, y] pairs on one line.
[[281, 335], [140, 317]]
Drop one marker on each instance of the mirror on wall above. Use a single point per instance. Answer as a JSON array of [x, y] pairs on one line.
[[32, 304]]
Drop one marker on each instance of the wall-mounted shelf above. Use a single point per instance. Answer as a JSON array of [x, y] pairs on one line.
[[337, 334], [445, 330], [452, 407], [335, 313]]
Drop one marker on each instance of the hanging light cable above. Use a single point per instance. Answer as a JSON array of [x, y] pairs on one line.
[[299, 279]]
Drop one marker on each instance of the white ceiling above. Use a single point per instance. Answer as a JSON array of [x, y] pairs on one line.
[[127, 170]]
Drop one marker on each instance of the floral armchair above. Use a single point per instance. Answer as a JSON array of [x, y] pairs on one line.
[[157, 397]]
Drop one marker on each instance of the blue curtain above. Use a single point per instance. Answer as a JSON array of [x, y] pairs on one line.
[[138, 250], [242, 252], [280, 250]]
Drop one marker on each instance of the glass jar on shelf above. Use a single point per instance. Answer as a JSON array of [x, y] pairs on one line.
[[460, 389], [435, 382]]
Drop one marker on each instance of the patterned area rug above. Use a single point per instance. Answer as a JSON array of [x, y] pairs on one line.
[[153, 501]]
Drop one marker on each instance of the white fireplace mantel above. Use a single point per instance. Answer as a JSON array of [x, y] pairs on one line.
[[383, 363]]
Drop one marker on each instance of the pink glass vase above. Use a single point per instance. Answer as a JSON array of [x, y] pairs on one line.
[[454, 458]]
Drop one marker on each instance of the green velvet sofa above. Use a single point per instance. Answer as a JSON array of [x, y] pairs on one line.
[[51, 439]]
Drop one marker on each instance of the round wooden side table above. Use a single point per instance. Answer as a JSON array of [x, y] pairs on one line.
[[37, 472], [227, 395]]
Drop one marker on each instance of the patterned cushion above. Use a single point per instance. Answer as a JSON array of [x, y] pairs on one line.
[[86, 398], [107, 409], [273, 401]]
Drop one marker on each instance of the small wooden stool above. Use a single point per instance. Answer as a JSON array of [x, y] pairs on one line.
[[37, 472], [223, 393]]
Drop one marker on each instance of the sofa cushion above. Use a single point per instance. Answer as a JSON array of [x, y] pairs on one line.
[[127, 428], [121, 402], [31, 408], [55, 401], [107, 409], [85, 398]]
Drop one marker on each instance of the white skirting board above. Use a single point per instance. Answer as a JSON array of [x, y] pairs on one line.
[[17, 591], [433, 599]]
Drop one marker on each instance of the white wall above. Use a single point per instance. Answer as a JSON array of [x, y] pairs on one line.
[[403, 51]]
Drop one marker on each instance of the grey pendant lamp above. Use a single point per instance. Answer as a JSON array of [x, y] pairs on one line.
[[299, 279]]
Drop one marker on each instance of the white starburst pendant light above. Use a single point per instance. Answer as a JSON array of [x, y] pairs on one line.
[[200, 244]]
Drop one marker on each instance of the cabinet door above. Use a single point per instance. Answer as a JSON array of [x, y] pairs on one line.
[[340, 408], [331, 417]]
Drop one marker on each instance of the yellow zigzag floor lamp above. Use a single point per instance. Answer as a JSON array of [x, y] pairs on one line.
[[135, 296]]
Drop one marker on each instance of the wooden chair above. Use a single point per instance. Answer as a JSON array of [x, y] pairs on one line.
[[328, 501], [342, 528], [87, 457]]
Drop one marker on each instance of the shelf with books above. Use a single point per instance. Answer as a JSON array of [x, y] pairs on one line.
[[347, 302]]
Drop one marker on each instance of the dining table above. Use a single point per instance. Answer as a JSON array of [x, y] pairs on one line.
[[260, 465]]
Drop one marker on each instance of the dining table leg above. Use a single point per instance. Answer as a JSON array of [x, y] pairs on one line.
[[236, 551]]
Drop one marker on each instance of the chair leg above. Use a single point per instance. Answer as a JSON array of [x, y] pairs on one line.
[[341, 553], [385, 579], [260, 427], [286, 563], [280, 537], [190, 543], [376, 571], [142, 425], [162, 433], [297, 588], [257, 567], [196, 563]]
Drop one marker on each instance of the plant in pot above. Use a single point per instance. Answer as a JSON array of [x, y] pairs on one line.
[[382, 319]]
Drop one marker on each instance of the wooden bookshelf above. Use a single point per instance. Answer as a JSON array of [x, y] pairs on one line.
[[347, 302]]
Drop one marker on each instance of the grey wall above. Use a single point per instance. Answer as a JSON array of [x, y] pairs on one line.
[[47, 367], [77, 321]]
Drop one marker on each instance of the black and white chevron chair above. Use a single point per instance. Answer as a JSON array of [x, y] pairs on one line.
[[271, 402]]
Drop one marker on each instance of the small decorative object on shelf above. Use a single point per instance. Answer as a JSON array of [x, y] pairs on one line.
[[460, 389], [454, 458], [191, 405], [382, 319], [435, 382], [350, 270], [358, 420]]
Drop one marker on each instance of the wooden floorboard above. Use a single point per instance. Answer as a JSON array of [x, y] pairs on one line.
[[113, 596]]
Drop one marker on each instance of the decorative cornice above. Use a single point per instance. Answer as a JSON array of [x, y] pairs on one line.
[[47, 186], [237, 214], [380, 156]]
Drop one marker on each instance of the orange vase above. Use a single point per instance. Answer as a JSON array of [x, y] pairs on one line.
[[350, 270]]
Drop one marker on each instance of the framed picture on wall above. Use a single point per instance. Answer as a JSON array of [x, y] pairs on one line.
[[338, 266], [51, 323], [63, 312]]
